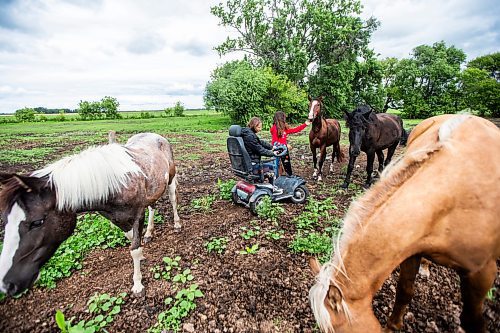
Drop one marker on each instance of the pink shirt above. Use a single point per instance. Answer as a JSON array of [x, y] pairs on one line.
[[283, 138]]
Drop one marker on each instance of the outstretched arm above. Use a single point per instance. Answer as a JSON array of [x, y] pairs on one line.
[[296, 129]]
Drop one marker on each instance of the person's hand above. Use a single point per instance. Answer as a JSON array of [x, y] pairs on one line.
[[275, 152], [289, 147], [308, 122]]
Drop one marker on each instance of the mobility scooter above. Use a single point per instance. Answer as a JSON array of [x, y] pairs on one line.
[[252, 189]]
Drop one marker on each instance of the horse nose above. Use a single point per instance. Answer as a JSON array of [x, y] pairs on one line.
[[355, 152], [11, 288]]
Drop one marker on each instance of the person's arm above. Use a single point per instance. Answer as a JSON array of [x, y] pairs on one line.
[[260, 147], [296, 129]]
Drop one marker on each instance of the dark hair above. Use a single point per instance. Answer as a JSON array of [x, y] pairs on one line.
[[280, 122], [254, 122]]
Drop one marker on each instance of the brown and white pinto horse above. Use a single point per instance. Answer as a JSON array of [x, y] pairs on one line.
[[324, 133], [118, 181], [372, 133], [439, 201]]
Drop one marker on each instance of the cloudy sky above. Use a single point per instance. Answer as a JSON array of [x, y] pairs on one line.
[[151, 53]]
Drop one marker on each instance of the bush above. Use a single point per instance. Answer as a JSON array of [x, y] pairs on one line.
[[106, 108], [176, 111], [24, 115]]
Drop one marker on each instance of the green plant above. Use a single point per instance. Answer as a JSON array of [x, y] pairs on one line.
[[103, 308], [269, 210], [250, 250], [216, 245], [164, 271], [491, 294], [225, 188], [313, 212], [180, 307], [158, 219], [250, 232], [204, 203], [184, 276], [312, 243], [275, 234]]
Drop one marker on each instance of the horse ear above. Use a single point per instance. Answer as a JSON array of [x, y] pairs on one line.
[[314, 264], [335, 298], [4, 177], [309, 98], [320, 98], [26, 182]]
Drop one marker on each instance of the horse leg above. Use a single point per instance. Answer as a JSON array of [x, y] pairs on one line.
[[322, 158], [380, 157], [136, 252], [474, 287], [370, 157], [350, 167], [405, 290], [315, 160], [390, 153], [149, 230], [173, 196], [333, 158]]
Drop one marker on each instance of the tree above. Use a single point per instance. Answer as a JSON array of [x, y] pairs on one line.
[[314, 43], [241, 91], [25, 115], [109, 107], [480, 92], [489, 63]]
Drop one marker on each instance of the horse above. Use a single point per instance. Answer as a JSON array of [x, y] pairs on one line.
[[324, 133], [372, 133], [440, 202], [118, 181]]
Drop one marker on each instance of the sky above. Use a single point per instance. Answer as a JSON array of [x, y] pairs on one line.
[[149, 54]]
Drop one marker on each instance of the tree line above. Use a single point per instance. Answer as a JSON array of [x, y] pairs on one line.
[[320, 47]]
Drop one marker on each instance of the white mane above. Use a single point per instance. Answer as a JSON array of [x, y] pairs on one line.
[[91, 176]]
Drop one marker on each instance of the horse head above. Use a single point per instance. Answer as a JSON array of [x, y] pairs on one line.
[[34, 228], [357, 121], [315, 105]]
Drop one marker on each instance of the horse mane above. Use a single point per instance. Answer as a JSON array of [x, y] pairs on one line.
[[91, 176], [390, 181]]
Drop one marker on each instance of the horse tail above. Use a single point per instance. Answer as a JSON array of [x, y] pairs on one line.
[[404, 137], [340, 153]]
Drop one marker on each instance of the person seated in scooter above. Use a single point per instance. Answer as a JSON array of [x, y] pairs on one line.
[[257, 147]]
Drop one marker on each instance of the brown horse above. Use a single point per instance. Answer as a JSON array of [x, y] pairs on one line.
[[440, 201], [324, 133], [372, 133], [118, 181]]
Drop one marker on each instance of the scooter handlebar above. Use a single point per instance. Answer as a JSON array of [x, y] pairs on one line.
[[280, 149]]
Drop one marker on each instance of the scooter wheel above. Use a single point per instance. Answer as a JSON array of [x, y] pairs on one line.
[[235, 198], [300, 194], [257, 202]]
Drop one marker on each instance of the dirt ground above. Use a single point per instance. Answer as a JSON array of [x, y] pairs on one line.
[[264, 292]]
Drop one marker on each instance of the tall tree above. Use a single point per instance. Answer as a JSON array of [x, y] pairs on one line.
[[490, 63], [315, 43]]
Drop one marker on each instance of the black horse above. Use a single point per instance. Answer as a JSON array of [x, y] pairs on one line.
[[372, 133]]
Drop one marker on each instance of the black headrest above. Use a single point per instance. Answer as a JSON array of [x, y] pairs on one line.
[[235, 130]]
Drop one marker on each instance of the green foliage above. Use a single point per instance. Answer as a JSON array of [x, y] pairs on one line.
[[275, 234], [225, 188], [25, 115], [106, 108], [241, 91], [184, 276], [180, 307], [313, 212], [216, 245], [103, 308], [249, 233], [253, 249], [489, 63], [480, 91], [204, 203], [165, 271], [176, 111], [91, 231], [491, 294], [312, 243], [269, 210]]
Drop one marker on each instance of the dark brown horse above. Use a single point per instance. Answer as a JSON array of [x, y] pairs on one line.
[[372, 133], [118, 181], [324, 133]]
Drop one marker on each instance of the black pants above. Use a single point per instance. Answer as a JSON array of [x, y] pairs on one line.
[[287, 165]]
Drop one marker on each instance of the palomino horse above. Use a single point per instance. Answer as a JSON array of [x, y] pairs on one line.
[[372, 133], [439, 201], [118, 181], [324, 133]]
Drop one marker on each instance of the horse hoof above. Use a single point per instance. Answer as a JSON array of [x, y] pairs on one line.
[[147, 239], [140, 294]]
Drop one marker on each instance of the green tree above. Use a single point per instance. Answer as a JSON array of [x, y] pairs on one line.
[[480, 92], [241, 91], [109, 107], [489, 63], [315, 43], [25, 115]]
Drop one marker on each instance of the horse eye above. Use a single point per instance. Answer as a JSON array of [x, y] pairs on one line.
[[36, 224]]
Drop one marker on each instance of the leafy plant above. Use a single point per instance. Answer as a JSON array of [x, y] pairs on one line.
[[491, 294], [313, 212], [184, 276], [216, 245], [103, 307], [269, 210], [275, 234], [180, 307], [204, 203], [250, 250], [225, 188], [312, 243], [165, 270], [250, 232]]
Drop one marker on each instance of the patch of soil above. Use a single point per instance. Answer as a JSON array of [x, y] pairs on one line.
[[265, 292]]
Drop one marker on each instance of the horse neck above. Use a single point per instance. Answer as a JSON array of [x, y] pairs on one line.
[[371, 248], [317, 123]]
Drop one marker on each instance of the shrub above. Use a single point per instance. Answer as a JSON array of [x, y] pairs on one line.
[[25, 115]]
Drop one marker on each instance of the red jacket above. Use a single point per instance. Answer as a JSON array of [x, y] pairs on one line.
[[282, 139]]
